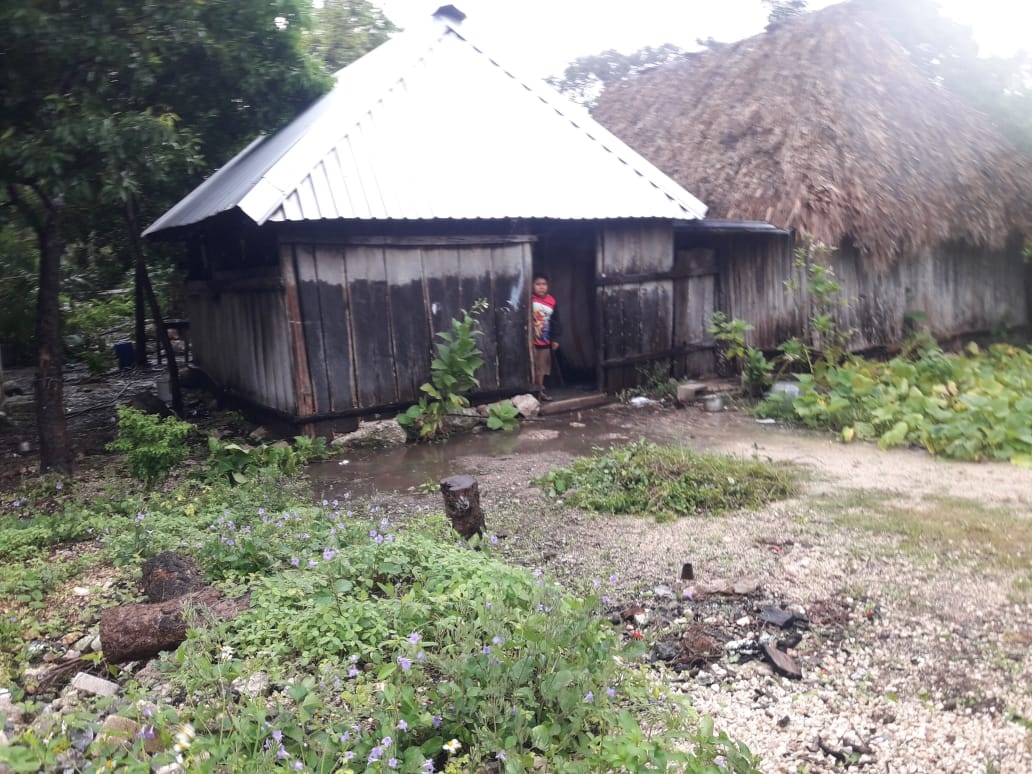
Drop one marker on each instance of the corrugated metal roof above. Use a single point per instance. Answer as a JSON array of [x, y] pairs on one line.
[[429, 126]]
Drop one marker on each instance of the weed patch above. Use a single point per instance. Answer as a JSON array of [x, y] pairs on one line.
[[667, 481]]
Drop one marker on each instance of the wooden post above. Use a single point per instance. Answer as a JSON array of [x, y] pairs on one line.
[[462, 505]]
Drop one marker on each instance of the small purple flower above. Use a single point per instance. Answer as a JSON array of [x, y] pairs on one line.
[[277, 735], [688, 593], [261, 511], [298, 766], [353, 672], [386, 742], [596, 582], [402, 725], [328, 554], [538, 572], [345, 737], [392, 763], [437, 720], [427, 767], [589, 697], [486, 650], [610, 692], [414, 638], [500, 755], [404, 663], [496, 640], [612, 579], [378, 539], [375, 754], [282, 753], [312, 563], [59, 485], [494, 540], [487, 603], [421, 657]]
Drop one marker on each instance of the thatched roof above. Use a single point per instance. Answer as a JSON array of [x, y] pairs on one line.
[[823, 124]]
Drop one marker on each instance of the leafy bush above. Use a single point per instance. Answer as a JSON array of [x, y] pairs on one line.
[[503, 416], [973, 406], [452, 374], [152, 445], [399, 644], [666, 482], [238, 462]]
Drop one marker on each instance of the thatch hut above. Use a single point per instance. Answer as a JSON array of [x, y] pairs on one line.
[[824, 126], [324, 259]]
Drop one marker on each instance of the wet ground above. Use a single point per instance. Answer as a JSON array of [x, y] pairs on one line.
[[412, 468]]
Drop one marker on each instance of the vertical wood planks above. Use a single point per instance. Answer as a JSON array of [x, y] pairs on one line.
[[370, 323]]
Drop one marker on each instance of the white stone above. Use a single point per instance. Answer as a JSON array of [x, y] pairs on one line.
[[88, 683]]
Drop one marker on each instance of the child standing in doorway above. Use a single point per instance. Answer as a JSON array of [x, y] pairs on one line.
[[544, 332]]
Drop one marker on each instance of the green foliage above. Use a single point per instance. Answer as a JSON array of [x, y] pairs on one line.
[[237, 462], [452, 373], [344, 30], [503, 416], [973, 406], [824, 342], [89, 323], [665, 482], [654, 382], [753, 365], [18, 288], [152, 445], [367, 631]]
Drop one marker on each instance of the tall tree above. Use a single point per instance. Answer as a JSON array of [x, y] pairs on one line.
[[85, 87], [586, 77], [947, 52], [344, 30]]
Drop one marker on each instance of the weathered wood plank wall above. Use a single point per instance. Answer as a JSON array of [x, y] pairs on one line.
[[959, 290], [635, 306], [242, 339], [372, 307]]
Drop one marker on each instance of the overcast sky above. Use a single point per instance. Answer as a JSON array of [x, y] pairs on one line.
[[543, 36]]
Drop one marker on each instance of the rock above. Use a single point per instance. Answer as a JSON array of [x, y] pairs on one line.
[[118, 730], [259, 434], [149, 403], [97, 686], [378, 434], [254, 686], [783, 663], [773, 615], [745, 586], [10, 711], [527, 405], [689, 392]]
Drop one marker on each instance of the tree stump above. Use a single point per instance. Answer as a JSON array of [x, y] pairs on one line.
[[169, 575], [462, 505], [131, 632]]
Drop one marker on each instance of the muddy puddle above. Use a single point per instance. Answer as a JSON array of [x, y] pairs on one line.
[[362, 473]]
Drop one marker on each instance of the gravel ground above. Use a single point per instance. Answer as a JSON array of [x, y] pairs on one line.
[[916, 654]]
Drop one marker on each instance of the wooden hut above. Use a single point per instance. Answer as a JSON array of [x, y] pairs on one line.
[[824, 128], [323, 259]]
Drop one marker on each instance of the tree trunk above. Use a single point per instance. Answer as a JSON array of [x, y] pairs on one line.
[[139, 307], [54, 453], [131, 632], [462, 505], [159, 324]]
